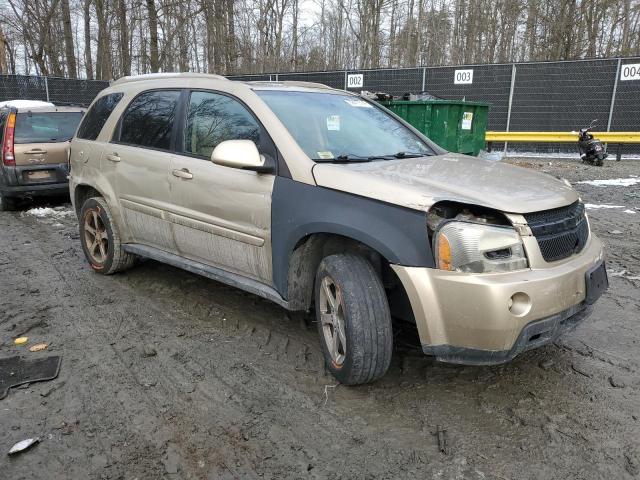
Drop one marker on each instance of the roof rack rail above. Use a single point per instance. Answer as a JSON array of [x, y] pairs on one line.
[[290, 83], [153, 76]]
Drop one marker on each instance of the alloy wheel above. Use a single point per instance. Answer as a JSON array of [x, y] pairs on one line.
[[95, 236], [332, 319]]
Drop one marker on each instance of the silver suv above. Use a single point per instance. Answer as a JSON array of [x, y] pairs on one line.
[[314, 197], [34, 155]]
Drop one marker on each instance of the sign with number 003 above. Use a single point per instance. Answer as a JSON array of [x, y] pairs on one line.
[[355, 80], [631, 71], [463, 77]]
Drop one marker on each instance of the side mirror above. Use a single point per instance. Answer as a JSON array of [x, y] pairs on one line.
[[242, 154]]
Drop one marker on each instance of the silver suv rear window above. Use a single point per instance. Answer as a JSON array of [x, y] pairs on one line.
[[46, 127]]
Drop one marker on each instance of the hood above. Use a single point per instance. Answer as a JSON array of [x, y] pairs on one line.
[[418, 183]]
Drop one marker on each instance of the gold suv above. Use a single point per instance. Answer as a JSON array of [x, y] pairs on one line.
[[34, 137], [314, 197]]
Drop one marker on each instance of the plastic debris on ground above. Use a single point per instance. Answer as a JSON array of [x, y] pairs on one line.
[[21, 340], [23, 445], [38, 347]]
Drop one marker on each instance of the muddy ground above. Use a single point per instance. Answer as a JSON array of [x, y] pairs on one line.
[[169, 375]]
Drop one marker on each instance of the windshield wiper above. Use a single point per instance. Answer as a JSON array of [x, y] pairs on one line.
[[344, 158], [350, 157], [408, 155]]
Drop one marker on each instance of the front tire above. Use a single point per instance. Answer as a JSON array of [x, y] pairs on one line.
[[353, 319], [100, 238]]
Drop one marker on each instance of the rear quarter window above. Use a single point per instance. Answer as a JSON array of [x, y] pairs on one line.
[[97, 116], [46, 127]]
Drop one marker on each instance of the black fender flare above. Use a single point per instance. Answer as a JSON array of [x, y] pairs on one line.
[[397, 233]]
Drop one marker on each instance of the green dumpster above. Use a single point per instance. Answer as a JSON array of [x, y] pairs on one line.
[[455, 125]]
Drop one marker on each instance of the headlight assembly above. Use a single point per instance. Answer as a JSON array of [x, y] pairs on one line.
[[477, 248]]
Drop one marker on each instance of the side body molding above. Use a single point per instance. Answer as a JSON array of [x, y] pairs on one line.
[[399, 234]]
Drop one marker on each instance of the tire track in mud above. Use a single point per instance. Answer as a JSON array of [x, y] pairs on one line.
[[237, 390], [223, 396]]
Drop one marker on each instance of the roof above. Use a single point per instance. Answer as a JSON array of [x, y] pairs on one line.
[[25, 104], [43, 107], [158, 76]]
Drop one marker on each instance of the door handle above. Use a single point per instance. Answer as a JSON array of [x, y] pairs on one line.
[[35, 152], [113, 157], [184, 173]]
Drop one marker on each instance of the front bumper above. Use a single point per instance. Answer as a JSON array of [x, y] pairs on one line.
[[466, 318]]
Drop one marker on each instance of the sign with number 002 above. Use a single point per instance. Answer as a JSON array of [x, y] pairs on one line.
[[462, 77], [631, 71], [355, 80]]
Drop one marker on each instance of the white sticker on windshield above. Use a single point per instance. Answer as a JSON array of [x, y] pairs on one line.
[[325, 155], [333, 123], [356, 102]]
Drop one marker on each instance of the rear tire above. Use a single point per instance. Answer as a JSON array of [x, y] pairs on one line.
[[353, 319], [100, 238], [7, 204]]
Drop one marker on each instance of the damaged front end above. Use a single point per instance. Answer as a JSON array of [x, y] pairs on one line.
[[472, 239]]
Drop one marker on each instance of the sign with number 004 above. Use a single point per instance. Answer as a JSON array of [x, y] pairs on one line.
[[631, 71], [463, 77], [355, 80]]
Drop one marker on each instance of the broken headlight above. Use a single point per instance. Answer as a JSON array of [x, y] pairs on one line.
[[478, 248]]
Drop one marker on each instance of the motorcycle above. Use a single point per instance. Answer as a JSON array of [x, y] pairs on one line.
[[591, 149]]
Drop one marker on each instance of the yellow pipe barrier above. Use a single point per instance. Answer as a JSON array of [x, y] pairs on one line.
[[560, 137]]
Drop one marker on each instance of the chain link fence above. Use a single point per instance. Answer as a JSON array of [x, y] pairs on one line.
[[534, 96], [61, 91]]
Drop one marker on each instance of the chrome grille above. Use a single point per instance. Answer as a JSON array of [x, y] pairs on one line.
[[560, 232]]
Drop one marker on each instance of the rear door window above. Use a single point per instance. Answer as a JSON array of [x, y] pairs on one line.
[[46, 127], [149, 119], [97, 116]]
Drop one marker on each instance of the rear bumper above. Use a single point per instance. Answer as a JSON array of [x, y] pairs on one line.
[[474, 319], [15, 182]]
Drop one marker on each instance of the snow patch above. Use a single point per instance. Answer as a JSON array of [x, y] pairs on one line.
[[615, 182], [628, 210], [44, 212], [25, 104], [490, 157], [558, 155], [597, 206]]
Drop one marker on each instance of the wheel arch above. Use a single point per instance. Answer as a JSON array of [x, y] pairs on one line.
[[313, 247], [81, 193], [84, 190]]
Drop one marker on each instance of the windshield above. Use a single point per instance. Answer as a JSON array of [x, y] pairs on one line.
[[33, 127], [330, 126]]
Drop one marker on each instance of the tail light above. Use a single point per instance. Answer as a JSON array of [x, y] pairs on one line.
[[8, 154]]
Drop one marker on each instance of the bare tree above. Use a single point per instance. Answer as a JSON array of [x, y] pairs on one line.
[[154, 59], [108, 38]]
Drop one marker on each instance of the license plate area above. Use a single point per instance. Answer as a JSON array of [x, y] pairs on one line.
[[596, 281], [37, 176]]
